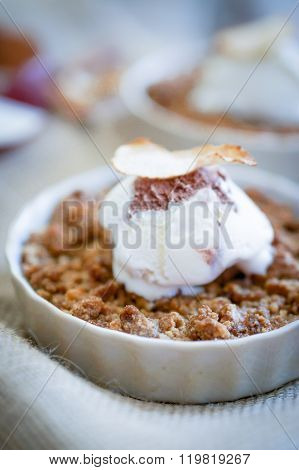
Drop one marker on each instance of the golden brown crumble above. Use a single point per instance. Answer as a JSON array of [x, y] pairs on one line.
[[70, 265], [172, 94]]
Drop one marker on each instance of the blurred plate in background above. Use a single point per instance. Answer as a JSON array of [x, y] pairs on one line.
[[278, 152], [19, 123]]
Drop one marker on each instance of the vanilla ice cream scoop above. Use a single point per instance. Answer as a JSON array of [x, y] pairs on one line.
[[253, 73], [178, 233]]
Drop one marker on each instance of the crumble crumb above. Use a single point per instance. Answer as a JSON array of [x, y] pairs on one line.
[[205, 325], [133, 321]]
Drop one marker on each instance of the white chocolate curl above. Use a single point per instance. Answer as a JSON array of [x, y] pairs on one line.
[[143, 158]]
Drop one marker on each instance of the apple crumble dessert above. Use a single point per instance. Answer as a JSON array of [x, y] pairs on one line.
[[210, 94], [77, 265]]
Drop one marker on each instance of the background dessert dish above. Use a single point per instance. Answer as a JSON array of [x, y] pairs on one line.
[[77, 276], [267, 101], [159, 88]]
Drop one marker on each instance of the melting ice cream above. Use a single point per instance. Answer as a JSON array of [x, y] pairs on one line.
[[178, 220]]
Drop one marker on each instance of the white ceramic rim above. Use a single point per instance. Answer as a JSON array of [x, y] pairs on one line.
[[172, 62], [288, 189], [26, 134]]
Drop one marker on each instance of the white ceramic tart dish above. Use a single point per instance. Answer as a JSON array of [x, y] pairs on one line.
[[177, 61], [146, 368]]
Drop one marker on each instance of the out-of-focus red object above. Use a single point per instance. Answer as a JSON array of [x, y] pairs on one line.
[[20, 122], [32, 84], [22, 76]]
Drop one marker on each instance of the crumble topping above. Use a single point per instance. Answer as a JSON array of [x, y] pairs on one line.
[[75, 274], [157, 194]]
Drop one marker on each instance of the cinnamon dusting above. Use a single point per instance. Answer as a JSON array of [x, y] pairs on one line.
[[158, 194]]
